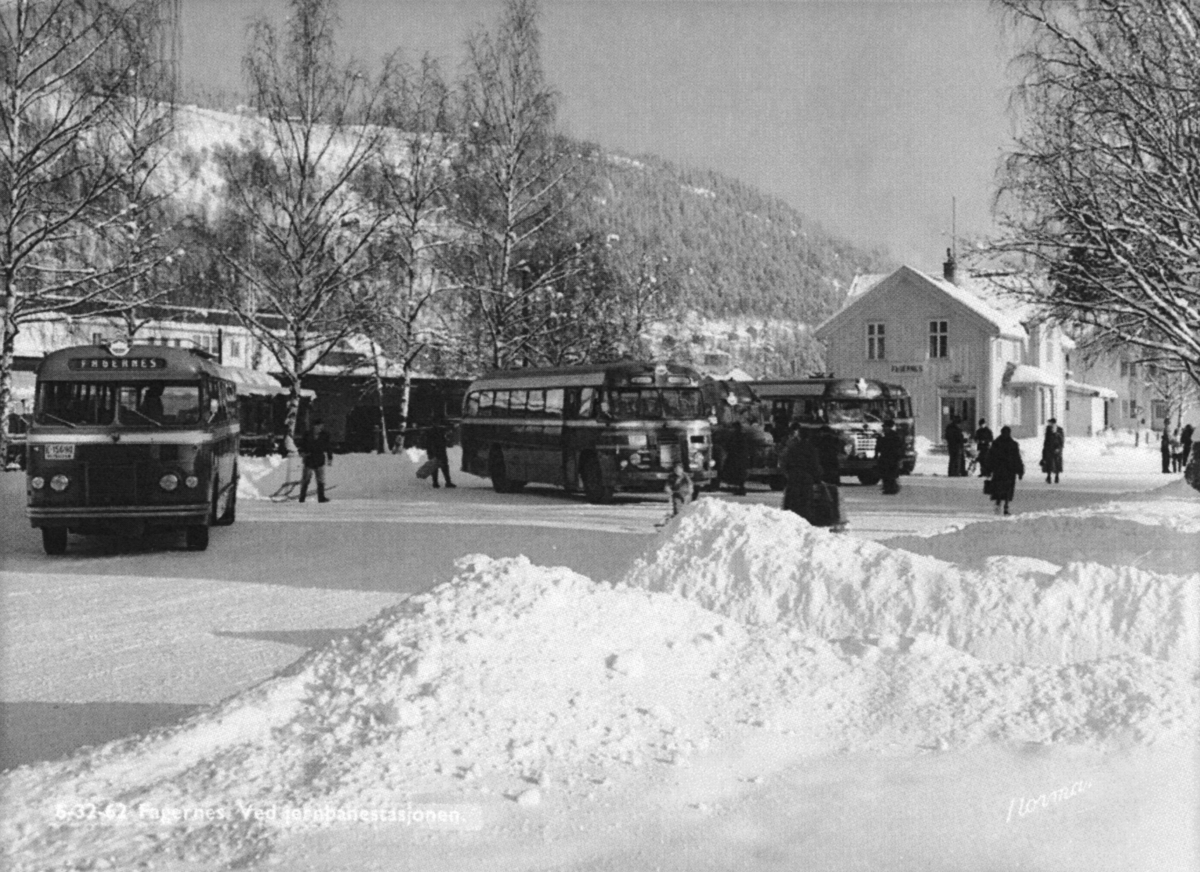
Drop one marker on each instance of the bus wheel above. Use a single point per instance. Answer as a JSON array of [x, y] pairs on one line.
[[868, 478], [777, 482], [230, 513], [501, 483], [197, 537], [54, 540], [593, 482]]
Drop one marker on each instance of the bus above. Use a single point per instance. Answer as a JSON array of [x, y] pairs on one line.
[[603, 428], [130, 437], [734, 402], [854, 408]]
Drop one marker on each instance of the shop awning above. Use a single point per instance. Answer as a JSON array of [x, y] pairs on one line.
[[1091, 390], [252, 382], [1025, 376]]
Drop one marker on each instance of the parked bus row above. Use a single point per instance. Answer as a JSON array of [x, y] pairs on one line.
[[623, 426]]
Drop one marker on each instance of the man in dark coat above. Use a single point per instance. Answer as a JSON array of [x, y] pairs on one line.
[[956, 442], [983, 441], [435, 447], [829, 452], [736, 467], [1052, 450], [316, 450], [802, 470], [1007, 466], [889, 454], [1165, 446], [1185, 442]]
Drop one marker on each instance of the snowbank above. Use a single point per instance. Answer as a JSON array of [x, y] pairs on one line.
[[519, 682], [764, 566]]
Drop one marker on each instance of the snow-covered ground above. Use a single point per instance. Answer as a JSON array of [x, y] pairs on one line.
[[736, 690]]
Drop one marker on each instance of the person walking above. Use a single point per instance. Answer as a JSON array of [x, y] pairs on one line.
[[889, 454], [316, 451], [956, 445], [435, 448], [1185, 442], [1007, 466], [983, 441], [1053, 441], [1165, 446], [802, 472], [829, 452]]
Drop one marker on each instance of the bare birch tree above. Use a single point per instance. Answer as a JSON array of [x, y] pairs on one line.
[[82, 125], [1101, 196], [291, 189], [513, 194]]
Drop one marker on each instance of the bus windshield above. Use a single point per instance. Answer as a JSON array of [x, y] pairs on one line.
[[635, 403], [852, 411], [129, 404]]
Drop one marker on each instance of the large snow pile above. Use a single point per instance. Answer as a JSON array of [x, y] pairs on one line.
[[519, 681], [763, 566]]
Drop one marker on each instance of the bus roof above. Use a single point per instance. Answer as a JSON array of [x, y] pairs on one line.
[[146, 362], [834, 388], [623, 373]]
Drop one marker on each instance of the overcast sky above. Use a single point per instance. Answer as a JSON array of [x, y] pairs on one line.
[[868, 117]]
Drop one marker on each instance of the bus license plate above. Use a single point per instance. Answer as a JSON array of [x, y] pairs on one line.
[[60, 451]]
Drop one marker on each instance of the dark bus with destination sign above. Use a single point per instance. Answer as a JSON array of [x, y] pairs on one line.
[[855, 409], [125, 438], [603, 428]]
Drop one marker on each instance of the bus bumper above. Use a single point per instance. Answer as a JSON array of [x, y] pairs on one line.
[[76, 516]]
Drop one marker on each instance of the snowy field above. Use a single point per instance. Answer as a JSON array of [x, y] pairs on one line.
[[439, 680]]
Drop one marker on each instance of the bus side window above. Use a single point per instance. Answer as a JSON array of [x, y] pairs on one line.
[[516, 403], [487, 404], [554, 403], [587, 403], [471, 405], [536, 404]]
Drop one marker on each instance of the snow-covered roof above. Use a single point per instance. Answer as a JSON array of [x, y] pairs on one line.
[[1024, 375], [981, 300], [1091, 390]]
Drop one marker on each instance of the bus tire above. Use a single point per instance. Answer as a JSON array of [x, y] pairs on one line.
[[230, 513], [594, 487], [868, 478], [54, 540], [777, 482], [197, 537], [501, 483]]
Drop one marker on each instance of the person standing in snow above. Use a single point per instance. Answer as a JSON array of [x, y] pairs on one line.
[[802, 471], [1007, 466], [983, 441], [1185, 443], [829, 451], [316, 451], [435, 447], [737, 459], [1165, 446], [889, 454], [956, 445], [679, 486], [1052, 450]]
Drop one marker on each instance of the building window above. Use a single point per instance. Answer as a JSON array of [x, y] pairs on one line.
[[235, 349], [875, 342], [939, 339]]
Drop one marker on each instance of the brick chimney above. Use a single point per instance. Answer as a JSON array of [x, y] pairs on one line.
[[950, 268]]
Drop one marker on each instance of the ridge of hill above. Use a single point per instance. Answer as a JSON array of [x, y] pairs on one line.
[[736, 252]]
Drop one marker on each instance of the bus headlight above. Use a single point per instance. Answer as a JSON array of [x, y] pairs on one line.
[[191, 481], [59, 482], [169, 482], [635, 459], [37, 482]]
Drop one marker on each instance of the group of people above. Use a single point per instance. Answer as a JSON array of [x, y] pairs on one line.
[[1176, 446], [316, 453]]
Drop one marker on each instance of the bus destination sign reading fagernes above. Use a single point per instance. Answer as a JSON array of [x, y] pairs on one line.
[[115, 364]]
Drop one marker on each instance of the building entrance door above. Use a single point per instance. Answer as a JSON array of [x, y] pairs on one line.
[[964, 408]]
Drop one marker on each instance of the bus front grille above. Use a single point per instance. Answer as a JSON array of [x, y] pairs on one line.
[[111, 485], [864, 443]]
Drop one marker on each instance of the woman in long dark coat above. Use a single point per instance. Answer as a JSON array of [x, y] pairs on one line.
[[802, 468], [1007, 467], [1052, 451]]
